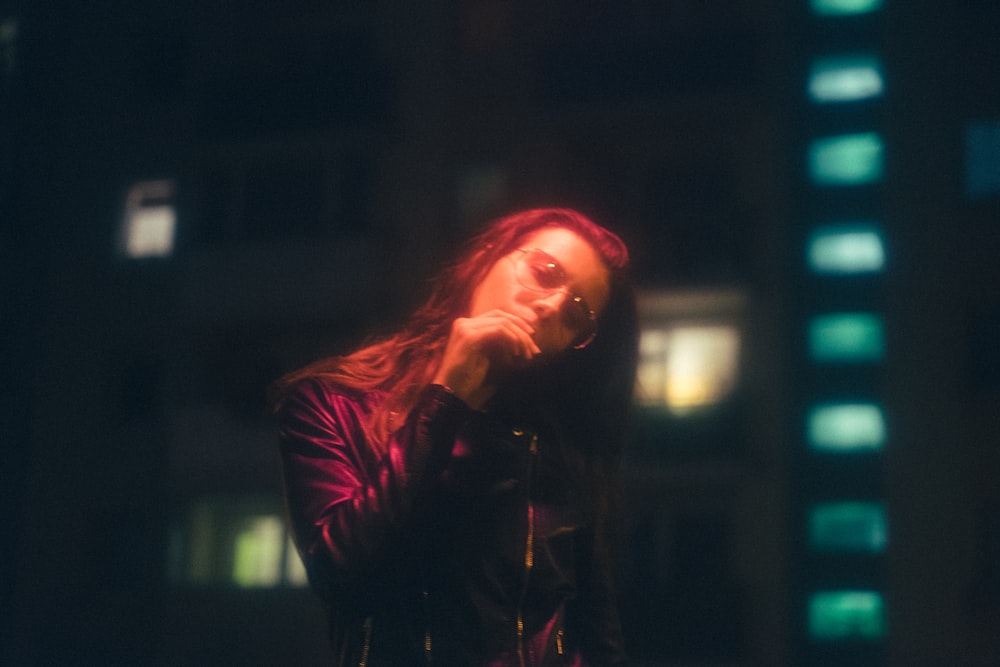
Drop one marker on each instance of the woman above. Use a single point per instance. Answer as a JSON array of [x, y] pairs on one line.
[[448, 486]]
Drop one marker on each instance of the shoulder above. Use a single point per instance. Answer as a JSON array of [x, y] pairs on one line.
[[328, 391], [318, 398]]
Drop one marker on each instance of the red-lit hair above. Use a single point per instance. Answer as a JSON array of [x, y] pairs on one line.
[[403, 363]]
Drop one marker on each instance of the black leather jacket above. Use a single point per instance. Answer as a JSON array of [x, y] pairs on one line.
[[466, 543]]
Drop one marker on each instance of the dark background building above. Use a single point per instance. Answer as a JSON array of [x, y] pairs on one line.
[[318, 159]]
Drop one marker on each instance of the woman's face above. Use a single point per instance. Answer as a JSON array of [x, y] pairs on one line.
[[552, 281]]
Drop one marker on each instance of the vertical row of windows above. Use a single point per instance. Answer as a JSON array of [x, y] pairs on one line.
[[842, 512]]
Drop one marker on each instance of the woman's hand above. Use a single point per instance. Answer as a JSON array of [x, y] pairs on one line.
[[478, 347]]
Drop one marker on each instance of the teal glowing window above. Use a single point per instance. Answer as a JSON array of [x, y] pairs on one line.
[[846, 616], [846, 428], [850, 159], [852, 526], [846, 337], [844, 7], [982, 159], [845, 79], [846, 249]]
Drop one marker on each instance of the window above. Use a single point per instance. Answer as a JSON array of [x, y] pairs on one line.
[[846, 249], [848, 526], [844, 7], [685, 367], [235, 541], [846, 427], [982, 158], [850, 159], [845, 79], [689, 350], [846, 615], [150, 219], [846, 337]]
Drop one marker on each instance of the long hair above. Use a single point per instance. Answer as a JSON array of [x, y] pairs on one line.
[[588, 390]]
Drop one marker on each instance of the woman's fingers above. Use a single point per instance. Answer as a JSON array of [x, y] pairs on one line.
[[480, 346], [498, 331]]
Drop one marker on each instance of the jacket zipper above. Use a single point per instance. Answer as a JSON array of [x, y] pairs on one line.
[[367, 643], [529, 551], [427, 631]]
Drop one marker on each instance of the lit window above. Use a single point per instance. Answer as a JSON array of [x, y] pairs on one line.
[[257, 551], [150, 219], [685, 367], [844, 7], [238, 541], [845, 79], [982, 158], [846, 248], [852, 159], [848, 337], [847, 427], [846, 615], [848, 526], [689, 348]]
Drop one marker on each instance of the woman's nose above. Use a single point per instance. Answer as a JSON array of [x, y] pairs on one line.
[[550, 304]]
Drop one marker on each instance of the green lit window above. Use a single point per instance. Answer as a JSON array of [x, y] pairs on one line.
[[846, 427], [846, 337], [848, 526], [846, 249], [846, 616], [844, 7], [257, 551], [845, 79], [235, 541], [850, 159]]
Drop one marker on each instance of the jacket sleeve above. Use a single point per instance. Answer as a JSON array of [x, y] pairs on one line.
[[346, 505]]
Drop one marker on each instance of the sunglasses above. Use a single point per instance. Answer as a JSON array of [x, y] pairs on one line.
[[539, 271]]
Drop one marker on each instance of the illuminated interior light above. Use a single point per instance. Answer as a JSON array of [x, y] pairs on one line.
[[845, 79], [687, 367], [847, 427], [846, 337], [257, 552], [846, 615], [844, 7], [852, 159], [848, 526], [846, 249], [150, 220]]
